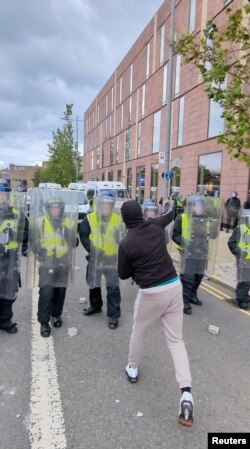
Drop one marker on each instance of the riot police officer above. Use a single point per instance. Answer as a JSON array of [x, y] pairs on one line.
[[12, 221], [149, 209], [196, 232], [239, 245], [100, 232], [52, 237]]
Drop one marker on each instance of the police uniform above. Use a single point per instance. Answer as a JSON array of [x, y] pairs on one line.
[[100, 237], [11, 238], [239, 245]]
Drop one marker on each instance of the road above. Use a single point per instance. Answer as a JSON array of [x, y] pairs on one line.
[[79, 397]]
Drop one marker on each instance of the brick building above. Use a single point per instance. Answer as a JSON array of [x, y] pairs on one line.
[[125, 126], [20, 176]]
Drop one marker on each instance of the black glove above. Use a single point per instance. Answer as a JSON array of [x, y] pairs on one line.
[[87, 257]]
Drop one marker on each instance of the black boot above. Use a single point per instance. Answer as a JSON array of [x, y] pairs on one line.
[[56, 321], [45, 330], [91, 310], [9, 327], [187, 309], [113, 323]]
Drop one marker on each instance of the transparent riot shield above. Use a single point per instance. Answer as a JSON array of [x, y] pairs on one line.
[[200, 231], [107, 229], [243, 244], [12, 219], [52, 237]]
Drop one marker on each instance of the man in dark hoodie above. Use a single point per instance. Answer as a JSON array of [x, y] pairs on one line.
[[143, 256]]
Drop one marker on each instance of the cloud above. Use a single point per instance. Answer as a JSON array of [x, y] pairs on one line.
[[56, 52]]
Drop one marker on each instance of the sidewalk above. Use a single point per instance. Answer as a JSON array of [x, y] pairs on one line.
[[225, 264]]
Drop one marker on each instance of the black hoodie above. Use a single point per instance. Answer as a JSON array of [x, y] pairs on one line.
[[142, 252]]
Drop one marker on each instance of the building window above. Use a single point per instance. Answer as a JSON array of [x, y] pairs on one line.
[[106, 128], [154, 181], [156, 132], [122, 116], [102, 155], [140, 184], [110, 125], [106, 108], [192, 12], [128, 144], [119, 176], [162, 44], [180, 122], [112, 98], [129, 182], [110, 176], [103, 176], [143, 91], [120, 89], [111, 152], [164, 84], [117, 149], [130, 109], [216, 122], [177, 74], [98, 157], [138, 146], [92, 160], [131, 79], [209, 173], [147, 60]]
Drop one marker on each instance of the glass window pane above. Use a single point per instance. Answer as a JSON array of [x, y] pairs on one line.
[[209, 173], [192, 16], [157, 132], [164, 84], [180, 122], [177, 74], [216, 122]]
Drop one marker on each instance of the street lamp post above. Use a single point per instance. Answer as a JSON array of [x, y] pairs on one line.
[[166, 181]]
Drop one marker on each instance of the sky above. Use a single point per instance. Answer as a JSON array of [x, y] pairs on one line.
[[53, 53]]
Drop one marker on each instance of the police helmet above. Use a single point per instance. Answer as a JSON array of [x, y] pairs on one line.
[[245, 217], [103, 198], [55, 202], [4, 185], [149, 208]]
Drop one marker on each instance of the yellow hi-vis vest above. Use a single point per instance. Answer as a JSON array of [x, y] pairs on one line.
[[184, 228], [53, 240], [243, 244], [104, 241], [12, 226]]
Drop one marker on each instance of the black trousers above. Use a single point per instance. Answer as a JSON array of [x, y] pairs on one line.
[[6, 312], [113, 300], [50, 303], [242, 289], [190, 285]]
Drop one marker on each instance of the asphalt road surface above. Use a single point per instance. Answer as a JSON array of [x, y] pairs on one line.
[[72, 392]]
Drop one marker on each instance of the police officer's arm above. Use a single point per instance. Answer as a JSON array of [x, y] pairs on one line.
[[124, 268], [177, 231], [232, 242], [84, 231]]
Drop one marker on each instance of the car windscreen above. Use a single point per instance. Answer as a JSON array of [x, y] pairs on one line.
[[82, 198]]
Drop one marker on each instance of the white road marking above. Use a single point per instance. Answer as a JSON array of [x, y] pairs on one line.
[[47, 428]]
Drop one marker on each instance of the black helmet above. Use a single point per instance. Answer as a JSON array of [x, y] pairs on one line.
[[4, 185]]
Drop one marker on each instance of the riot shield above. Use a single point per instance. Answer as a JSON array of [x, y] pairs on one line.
[[150, 209], [12, 219], [243, 262], [200, 231], [52, 237], [107, 229]]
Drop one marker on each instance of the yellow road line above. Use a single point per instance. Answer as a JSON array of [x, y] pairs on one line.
[[213, 293], [217, 291]]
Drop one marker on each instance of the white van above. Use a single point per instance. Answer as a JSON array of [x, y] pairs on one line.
[[49, 185], [77, 186], [118, 189]]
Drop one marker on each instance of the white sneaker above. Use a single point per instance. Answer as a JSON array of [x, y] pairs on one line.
[[132, 373], [186, 409]]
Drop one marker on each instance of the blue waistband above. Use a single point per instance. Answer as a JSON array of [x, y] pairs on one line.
[[168, 282]]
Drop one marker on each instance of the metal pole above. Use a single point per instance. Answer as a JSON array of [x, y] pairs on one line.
[[77, 168], [166, 182]]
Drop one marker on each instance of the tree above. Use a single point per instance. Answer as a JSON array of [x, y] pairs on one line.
[[223, 58], [61, 164]]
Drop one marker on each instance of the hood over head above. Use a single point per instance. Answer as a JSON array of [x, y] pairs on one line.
[[131, 213]]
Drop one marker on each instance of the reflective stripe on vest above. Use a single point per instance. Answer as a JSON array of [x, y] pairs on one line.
[[53, 240], [12, 226], [106, 241], [244, 244], [184, 228]]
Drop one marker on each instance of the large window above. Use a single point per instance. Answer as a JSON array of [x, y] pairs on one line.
[[164, 84], [143, 100], [112, 146], [216, 122], [162, 44], [120, 90], [140, 184], [209, 173], [129, 181], [156, 132], [110, 176], [119, 175], [138, 148], [128, 144], [148, 60], [131, 79], [177, 74], [180, 122], [154, 181], [192, 16]]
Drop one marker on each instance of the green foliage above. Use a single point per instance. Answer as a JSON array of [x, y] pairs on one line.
[[63, 157], [223, 58]]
